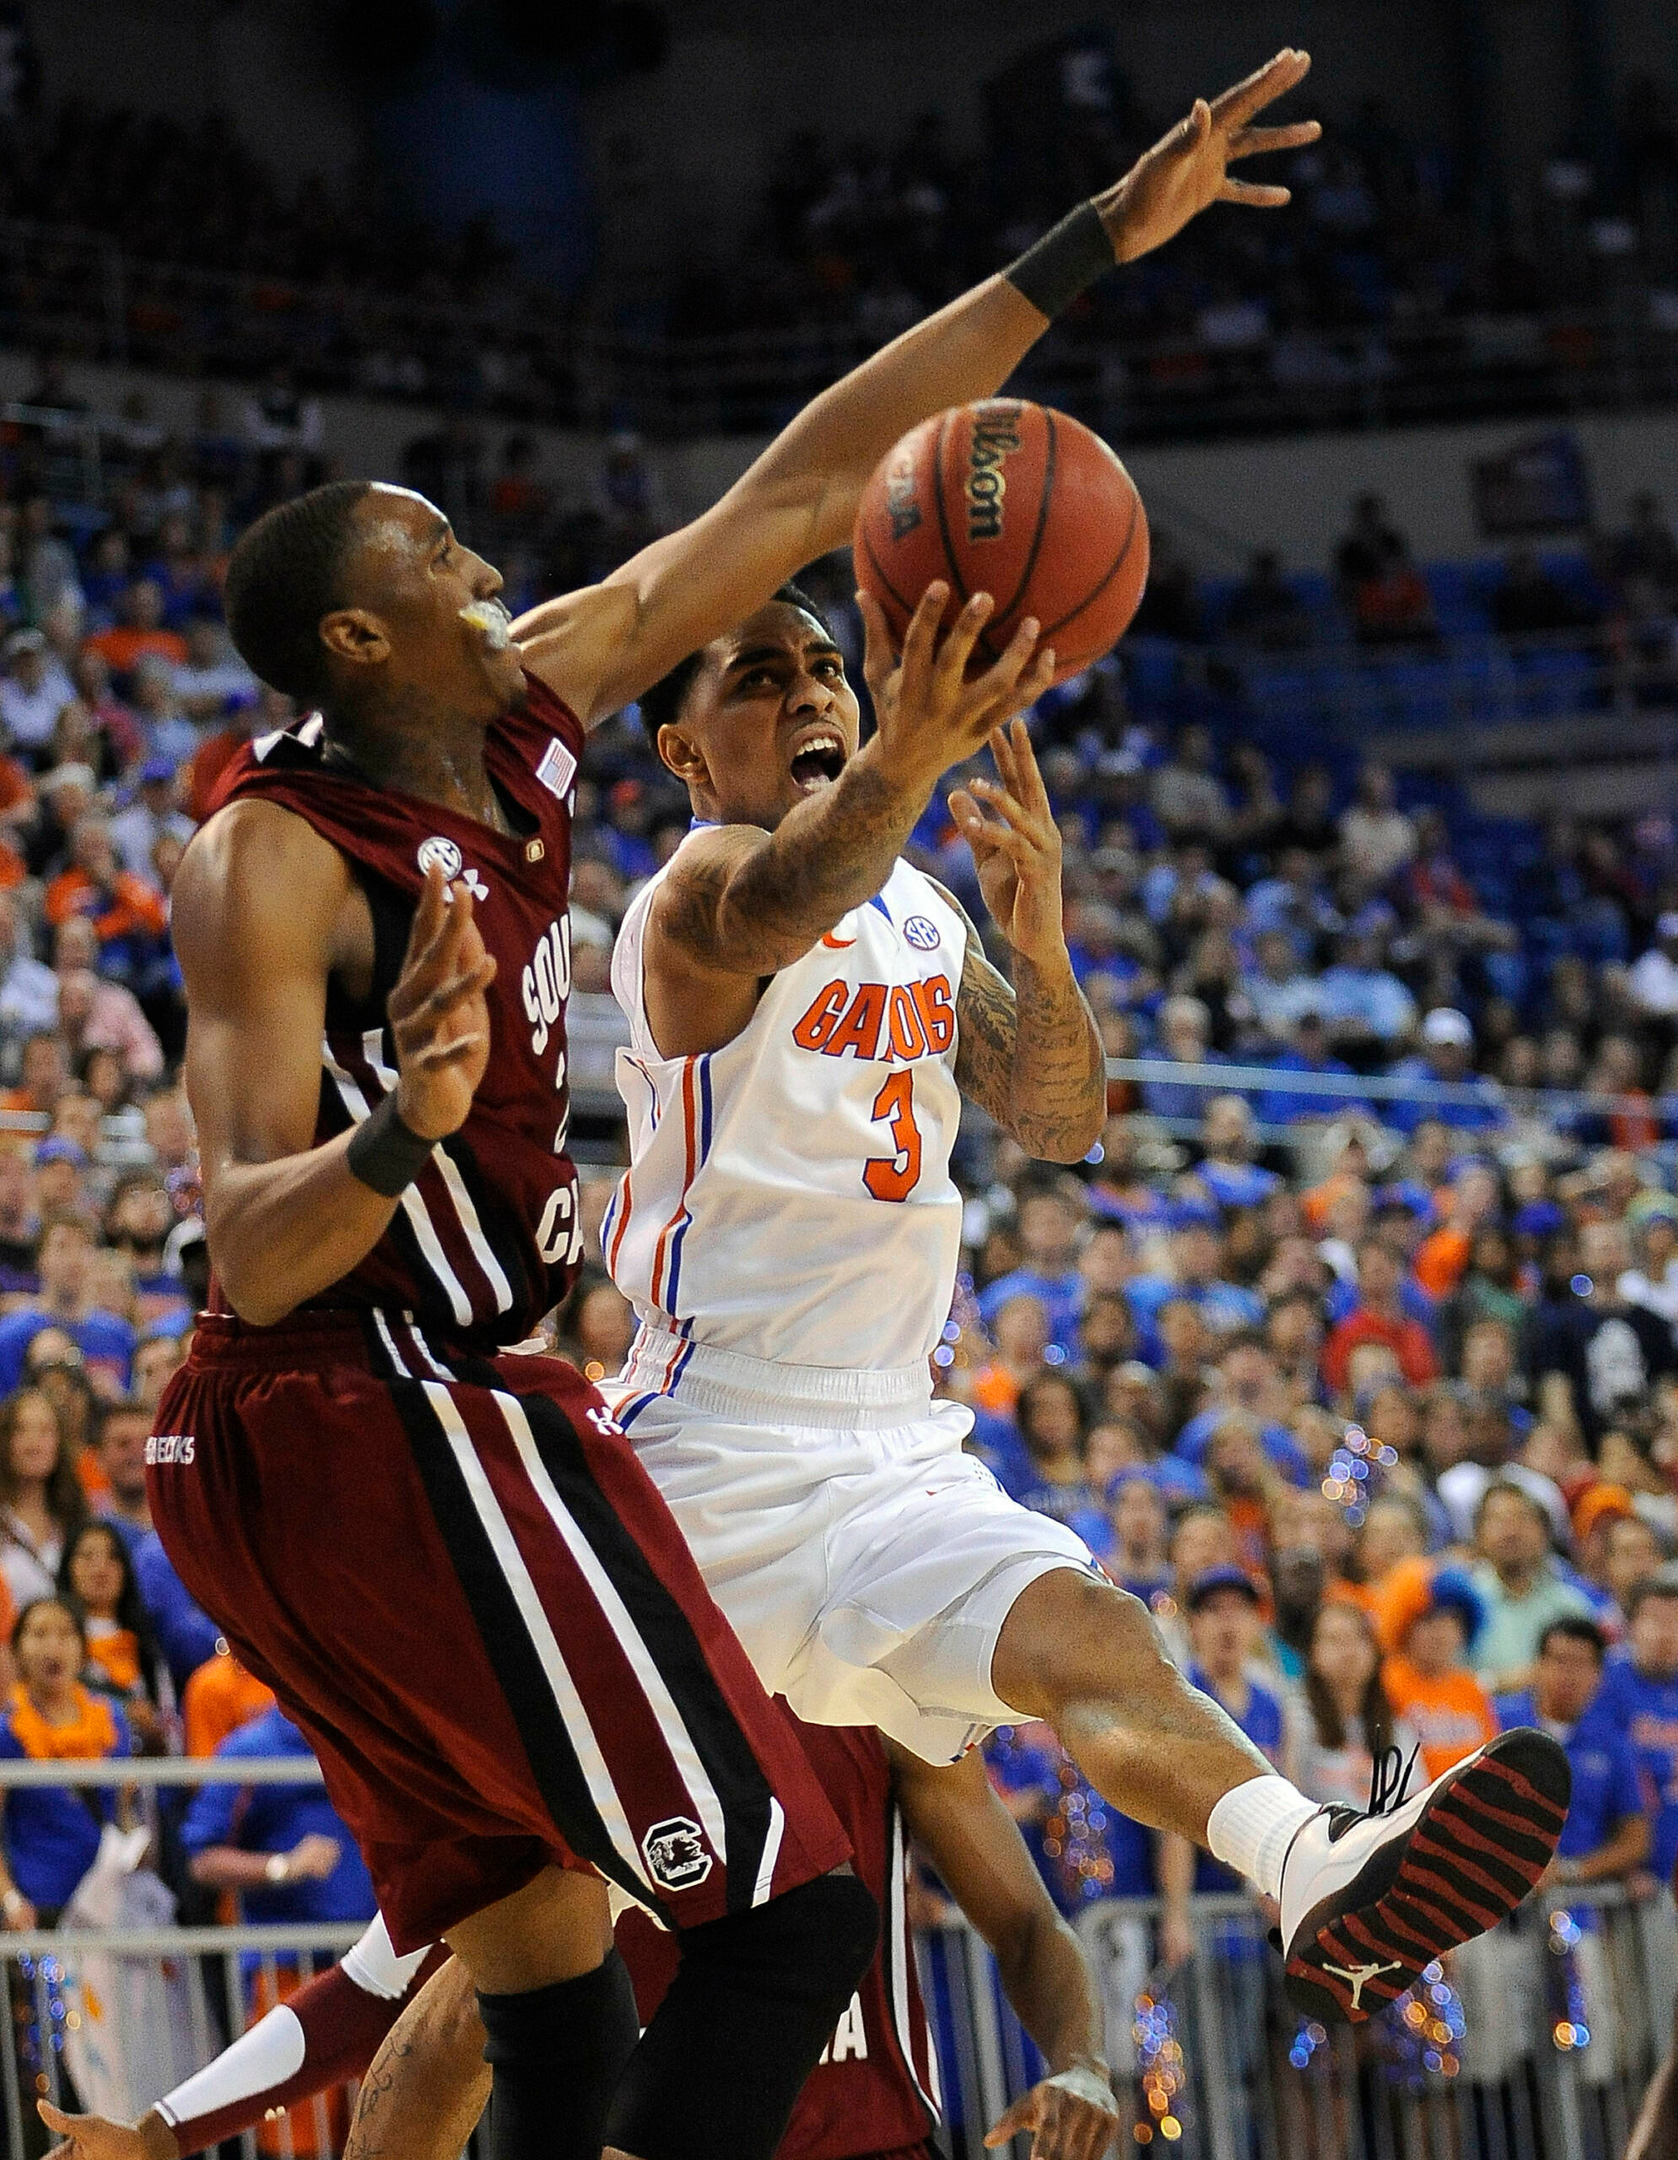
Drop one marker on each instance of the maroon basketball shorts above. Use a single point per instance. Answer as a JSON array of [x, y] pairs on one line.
[[469, 1596]]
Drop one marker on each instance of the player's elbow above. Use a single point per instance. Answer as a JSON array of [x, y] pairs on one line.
[[251, 1292]]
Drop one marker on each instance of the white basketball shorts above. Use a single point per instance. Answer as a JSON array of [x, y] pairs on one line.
[[864, 1561]]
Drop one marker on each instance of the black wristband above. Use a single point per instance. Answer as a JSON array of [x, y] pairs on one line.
[[386, 1154], [1065, 262]]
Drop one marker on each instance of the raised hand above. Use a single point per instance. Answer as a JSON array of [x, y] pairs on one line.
[[438, 1012], [1189, 168], [1017, 851], [1071, 2117], [931, 713]]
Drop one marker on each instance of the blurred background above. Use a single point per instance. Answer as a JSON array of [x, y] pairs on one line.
[[1352, 1346]]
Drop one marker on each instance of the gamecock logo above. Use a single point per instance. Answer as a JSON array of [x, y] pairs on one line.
[[676, 1854]]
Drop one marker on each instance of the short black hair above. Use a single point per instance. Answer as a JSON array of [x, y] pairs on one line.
[[1574, 1627], [283, 576], [662, 704]]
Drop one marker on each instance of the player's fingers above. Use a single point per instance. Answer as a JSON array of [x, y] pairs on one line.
[[1032, 831], [957, 648], [455, 990], [437, 1057], [921, 637], [1254, 196], [428, 915], [1002, 750], [1023, 2115], [1020, 695], [1255, 141], [998, 685], [1262, 87], [1031, 790]]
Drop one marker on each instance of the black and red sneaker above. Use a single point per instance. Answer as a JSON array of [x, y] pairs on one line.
[[1369, 1900]]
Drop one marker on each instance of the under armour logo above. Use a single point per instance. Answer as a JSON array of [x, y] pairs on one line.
[[473, 883], [1358, 1975]]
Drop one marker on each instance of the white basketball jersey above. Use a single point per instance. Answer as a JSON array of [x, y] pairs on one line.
[[789, 1196]]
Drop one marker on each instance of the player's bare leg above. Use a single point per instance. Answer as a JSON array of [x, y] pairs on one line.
[[428, 2084], [1087, 1658]]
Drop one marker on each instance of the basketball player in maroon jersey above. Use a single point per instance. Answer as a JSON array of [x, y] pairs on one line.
[[446, 1562], [875, 2093]]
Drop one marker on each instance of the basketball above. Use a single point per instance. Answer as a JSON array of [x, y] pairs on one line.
[[1012, 499]]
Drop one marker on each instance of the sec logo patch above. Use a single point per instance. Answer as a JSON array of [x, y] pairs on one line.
[[921, 933], [443, 853]]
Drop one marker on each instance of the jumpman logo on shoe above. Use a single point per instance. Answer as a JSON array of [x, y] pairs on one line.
[[1357, 1975]]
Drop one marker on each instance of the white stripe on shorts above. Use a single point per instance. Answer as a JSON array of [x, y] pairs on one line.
[[690, 1766], [590, 1757]]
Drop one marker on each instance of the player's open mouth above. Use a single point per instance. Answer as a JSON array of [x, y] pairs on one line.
[[818, 762]]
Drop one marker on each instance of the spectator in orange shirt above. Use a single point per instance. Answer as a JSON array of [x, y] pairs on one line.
[[1470, 1203], [43, 1075], [118, 904], [219, 1698], [1021, 1328], [139, 631], [1428, 1618], [1379, 1317]]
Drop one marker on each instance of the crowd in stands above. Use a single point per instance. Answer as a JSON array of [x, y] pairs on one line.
[[1351, 1349], [1374, 280]]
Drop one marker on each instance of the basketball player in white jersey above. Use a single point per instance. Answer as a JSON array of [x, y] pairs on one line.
[[806, 1012]]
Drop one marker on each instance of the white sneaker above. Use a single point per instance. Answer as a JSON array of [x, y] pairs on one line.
[[1368, 1900]]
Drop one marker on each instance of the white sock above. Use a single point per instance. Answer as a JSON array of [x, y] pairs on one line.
[[1253, 1825]]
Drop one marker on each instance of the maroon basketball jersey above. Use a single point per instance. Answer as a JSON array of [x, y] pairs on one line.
[[875, 2090], [486, 1238]]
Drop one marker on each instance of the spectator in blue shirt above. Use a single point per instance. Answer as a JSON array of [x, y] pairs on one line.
[[1446, 1060], [1053, 1421], [105, 1341], [51, 1832], [1223, 1622], [1227, 1168], [1606, 1835], [1185, 1028], [1308, 1054], [185, 1633], [1640, 1696], [283, 1848], [1364, 1003], [1050, 1220]]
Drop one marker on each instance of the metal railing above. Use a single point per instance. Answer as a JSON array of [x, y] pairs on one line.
[[530, 358], [1533, 2044]]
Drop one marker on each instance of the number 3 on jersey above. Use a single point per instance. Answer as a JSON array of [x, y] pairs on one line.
[[894, 1177]]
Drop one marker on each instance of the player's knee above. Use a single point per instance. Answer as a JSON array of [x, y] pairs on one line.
[[1071, 1637], [813, 1942]]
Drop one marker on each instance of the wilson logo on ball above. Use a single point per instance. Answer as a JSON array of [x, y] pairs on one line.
[[987, 483]]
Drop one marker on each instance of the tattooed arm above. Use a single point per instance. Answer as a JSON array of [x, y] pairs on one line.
[[741, 903], [1030, 1054]]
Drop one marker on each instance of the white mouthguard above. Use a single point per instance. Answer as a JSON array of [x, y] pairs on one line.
[[492, 619]]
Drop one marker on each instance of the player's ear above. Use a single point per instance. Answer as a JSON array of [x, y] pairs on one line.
[[681, 754], [355, 635]]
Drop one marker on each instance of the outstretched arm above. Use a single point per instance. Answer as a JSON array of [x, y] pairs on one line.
[[601, 647], [955, 1816], [1029, 1053]]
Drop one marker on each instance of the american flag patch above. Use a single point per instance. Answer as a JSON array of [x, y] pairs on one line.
[[557, 770]]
